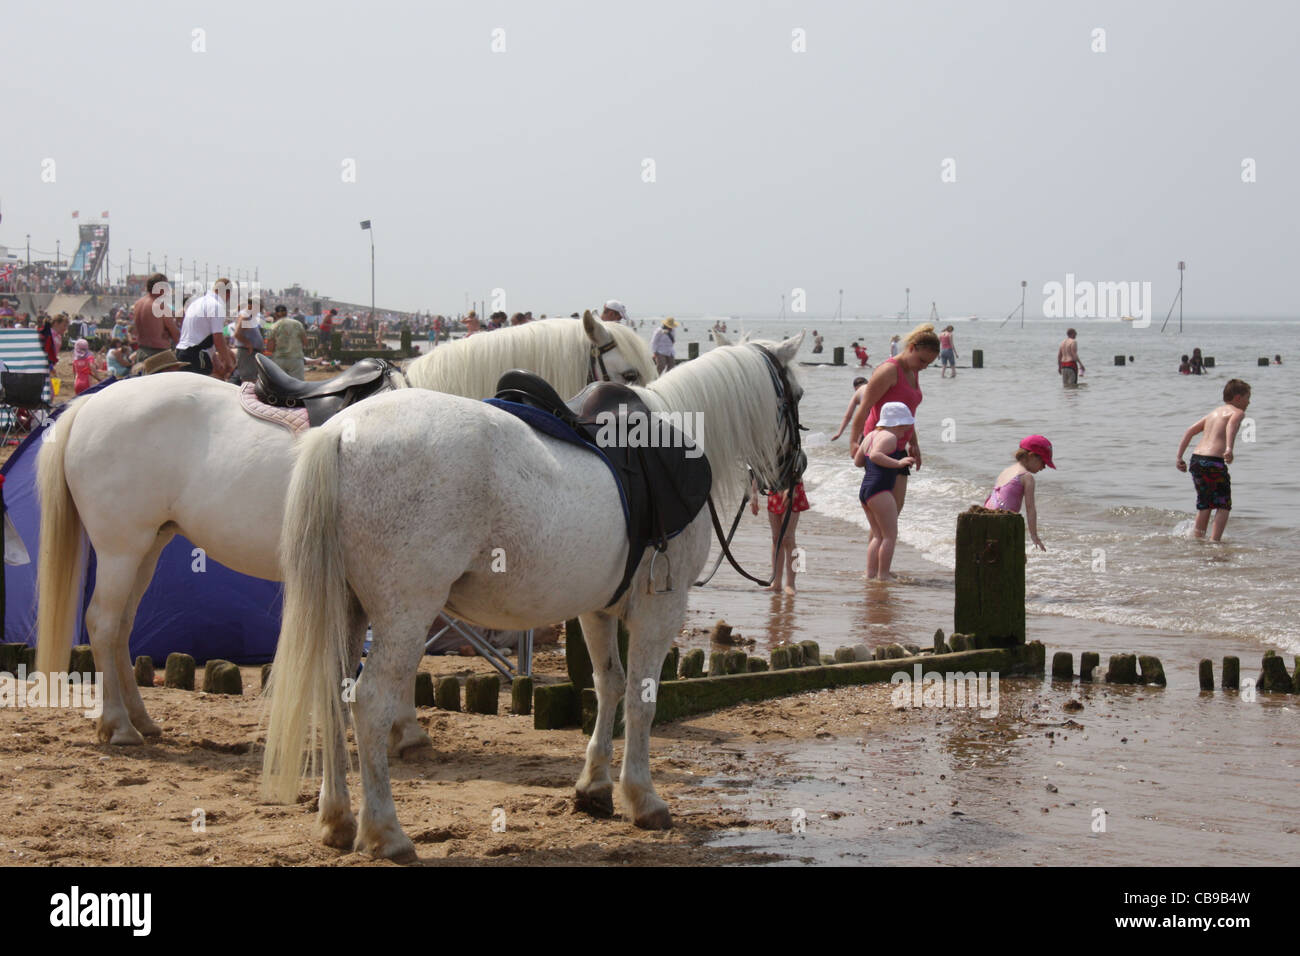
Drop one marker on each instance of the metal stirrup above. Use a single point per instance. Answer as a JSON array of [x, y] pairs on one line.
[[650, 584]]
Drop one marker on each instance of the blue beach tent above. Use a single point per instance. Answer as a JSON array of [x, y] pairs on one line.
[[213, 613]]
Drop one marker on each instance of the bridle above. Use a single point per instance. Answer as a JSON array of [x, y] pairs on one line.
[[791, 468], [596, 359]]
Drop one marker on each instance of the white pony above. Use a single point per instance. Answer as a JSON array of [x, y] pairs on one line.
[[174, 453], [570, 351], [368, 535]]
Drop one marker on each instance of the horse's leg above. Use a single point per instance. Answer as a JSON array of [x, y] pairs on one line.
[[394, 656], [595, 790], [135, 708], [652, 627], [334, 819], [115, 577]]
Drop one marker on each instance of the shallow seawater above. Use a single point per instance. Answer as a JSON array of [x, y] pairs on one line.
[[1115, 514], [1176, 777]]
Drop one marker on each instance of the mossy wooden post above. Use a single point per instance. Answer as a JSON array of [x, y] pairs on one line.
[[521, 696], [144, 671], [406, 341], [692, 350], [1206, 674], [837, 355], [576, 659], [977, 358], [990, 578]]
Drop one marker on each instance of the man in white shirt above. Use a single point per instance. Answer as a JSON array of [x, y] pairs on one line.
[[202, 329]]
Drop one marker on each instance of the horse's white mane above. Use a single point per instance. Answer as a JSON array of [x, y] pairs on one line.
[[470, 367], [732, 388]]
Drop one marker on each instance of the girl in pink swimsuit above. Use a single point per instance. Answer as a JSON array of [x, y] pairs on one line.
[[1016, 483]]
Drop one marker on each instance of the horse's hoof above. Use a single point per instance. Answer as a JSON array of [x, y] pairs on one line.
[[416, 749], [399, 851], [596, 803], [659, 819], [341, 834], [148, 728], [126, 736]]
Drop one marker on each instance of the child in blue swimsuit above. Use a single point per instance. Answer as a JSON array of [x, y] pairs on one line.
[[883, 459]]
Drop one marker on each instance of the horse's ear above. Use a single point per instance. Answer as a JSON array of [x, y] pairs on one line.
[[596, 330], [746, 336], [788, 349], [720, 338]]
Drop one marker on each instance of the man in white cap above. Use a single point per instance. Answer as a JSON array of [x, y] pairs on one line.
[[614, 311]]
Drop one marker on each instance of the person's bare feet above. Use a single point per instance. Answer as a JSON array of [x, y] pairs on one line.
[[789, 589], [774, 587]]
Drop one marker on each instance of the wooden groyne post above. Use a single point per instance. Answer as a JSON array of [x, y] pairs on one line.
[[990, 577]]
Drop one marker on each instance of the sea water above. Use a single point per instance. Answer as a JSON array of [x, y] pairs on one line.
[[1116, 514]]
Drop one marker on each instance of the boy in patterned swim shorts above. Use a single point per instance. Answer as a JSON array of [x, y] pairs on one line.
[[1213, 455]]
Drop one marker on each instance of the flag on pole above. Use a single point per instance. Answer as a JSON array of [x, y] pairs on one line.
[[365, 223], [104, 214], [76, 213]]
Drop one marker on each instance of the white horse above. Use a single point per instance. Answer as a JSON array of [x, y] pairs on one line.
[[397, 508], [570, 351], [168, 454]]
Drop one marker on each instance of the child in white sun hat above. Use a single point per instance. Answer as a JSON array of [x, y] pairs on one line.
[[883, 459]]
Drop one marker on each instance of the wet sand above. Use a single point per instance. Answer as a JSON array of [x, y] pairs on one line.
[[1184, 778]]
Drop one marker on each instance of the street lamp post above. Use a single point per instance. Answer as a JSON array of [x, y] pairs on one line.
[[365, 224], [29, 250], [57, 252], [1023, 285]]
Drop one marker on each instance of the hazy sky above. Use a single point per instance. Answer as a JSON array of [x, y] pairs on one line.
[[774, 169]]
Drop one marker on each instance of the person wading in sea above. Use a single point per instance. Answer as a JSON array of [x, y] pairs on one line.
[[1067, 360], [896, 380]]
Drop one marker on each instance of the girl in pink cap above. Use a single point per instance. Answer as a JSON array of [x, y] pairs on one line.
[[83, 366], [1016, 483]]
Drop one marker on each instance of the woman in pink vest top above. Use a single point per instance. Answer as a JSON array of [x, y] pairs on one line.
[[896, 380]]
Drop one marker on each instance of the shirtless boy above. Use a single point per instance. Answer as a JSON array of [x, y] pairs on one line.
[[1067, 360], [1213, 455]]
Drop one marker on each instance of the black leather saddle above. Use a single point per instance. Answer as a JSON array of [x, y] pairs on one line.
[[665, 479], [325, 399]]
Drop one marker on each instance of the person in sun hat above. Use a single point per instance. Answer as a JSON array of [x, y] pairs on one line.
[[613, 311], [883, 459], [1016, 483], [663, 345], [164, 361], [83, 367]]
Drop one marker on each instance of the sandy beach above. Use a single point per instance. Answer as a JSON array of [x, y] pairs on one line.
[[1181, 777]]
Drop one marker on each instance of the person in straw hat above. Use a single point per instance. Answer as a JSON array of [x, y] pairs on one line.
[[663, 345], [164, 361]]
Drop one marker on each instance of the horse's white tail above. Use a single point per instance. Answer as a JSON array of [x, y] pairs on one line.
[[61, 562], [307, 679]]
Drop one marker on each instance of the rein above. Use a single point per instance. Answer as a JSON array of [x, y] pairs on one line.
[[790, 478]]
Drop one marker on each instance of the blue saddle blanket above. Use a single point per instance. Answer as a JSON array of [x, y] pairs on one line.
[[548, 424]]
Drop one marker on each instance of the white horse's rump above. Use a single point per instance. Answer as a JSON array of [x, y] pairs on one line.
[[470, 366], [404, 519], [169, 454]]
